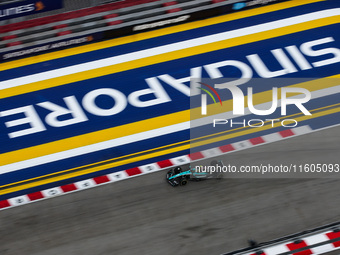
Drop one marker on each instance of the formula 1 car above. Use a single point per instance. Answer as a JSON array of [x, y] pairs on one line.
[[178, 177]]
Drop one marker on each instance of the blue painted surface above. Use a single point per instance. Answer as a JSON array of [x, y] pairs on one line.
[[134, 80], [176, 68]]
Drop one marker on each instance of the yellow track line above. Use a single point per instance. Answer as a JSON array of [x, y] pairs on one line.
[[178, 144], [145, 125], [298, 119], [137, 158]]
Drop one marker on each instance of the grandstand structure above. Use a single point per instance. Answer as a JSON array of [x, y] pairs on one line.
[[102, 20]]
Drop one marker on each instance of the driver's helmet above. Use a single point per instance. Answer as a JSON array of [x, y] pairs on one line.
[[177, 170]]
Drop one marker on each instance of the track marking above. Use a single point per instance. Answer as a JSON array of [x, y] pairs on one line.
[[185, 145], [117, 176], [138, 131]]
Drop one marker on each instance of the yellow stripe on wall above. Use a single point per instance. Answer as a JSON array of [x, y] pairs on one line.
[[67, 174], [145, 125]]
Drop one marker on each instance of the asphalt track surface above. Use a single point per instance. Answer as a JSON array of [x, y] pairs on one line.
[[332, 253], [145, 215]]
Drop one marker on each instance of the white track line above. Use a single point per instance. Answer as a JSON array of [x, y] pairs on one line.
[[139, 171], [136, 137]]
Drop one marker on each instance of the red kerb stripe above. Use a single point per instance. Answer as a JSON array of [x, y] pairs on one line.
[[101, 179], [165, 163], [256, 140], [333, 235], [226, 148], [286, 133], [133, 171], [299, 245], [4, 204], [35, 196], [68, 187], [196, 155]]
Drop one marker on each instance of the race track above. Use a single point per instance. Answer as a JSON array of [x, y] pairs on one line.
[[145, 215], [123, 104], [119, 104]]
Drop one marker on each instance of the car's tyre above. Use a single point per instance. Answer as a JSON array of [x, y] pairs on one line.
[[183, 182]]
